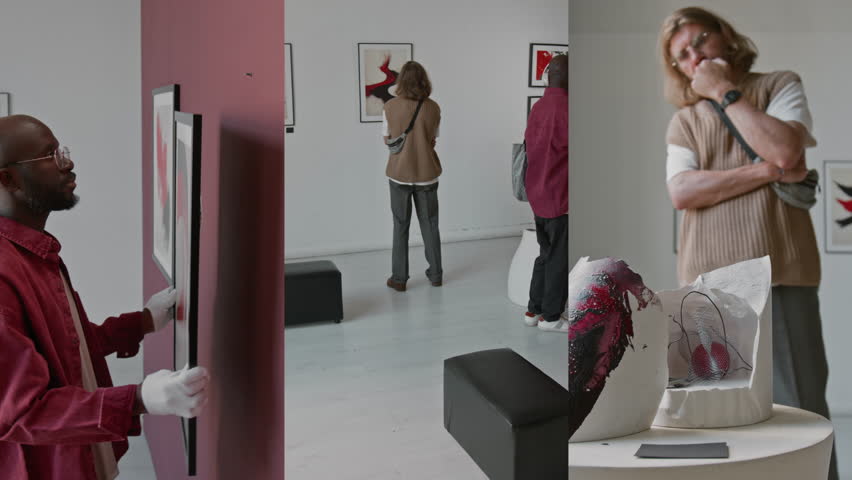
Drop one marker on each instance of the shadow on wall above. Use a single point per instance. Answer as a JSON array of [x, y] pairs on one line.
[[248, 326]]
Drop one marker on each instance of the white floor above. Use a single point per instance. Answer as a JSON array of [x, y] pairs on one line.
[[363, 398]]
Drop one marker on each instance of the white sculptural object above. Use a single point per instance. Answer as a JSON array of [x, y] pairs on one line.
[[720, 354], [617, 351]]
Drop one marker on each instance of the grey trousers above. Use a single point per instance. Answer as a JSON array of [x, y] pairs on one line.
[[426, 204], [800, 372]]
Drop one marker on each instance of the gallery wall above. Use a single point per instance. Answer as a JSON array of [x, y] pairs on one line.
[[619, 203], [476, 53], [227, 59], [75, 66]]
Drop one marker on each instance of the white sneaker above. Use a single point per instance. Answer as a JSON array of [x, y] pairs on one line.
[[560, 326], [531, 320]]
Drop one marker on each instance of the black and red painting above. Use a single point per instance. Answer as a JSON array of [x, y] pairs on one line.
[[540, 56], [379, 65], [166, 102], [838, 206]]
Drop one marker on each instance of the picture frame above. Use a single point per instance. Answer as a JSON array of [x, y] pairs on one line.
[[166, 101], [540, 55], [838, 205], [530, 102], [289, 106], [5, 104], [677, 219], [187, 234], [378, 69]]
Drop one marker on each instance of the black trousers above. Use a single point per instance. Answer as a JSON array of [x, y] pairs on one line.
[[549, 285]]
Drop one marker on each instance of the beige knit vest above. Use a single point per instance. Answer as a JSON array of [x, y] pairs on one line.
[[417, 162], [748, 226]]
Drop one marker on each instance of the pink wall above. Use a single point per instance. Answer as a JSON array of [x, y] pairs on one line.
[[209, 47]]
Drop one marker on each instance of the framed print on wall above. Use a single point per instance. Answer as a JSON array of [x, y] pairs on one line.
[[838, 206], [5, 107], [187, 230], [166, 102], [540, 55], [530, 102], [378, 69], [289, 110]]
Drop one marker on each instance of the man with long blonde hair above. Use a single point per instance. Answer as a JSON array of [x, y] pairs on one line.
[[731, 213]]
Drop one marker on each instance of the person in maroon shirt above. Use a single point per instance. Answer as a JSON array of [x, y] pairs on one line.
[[60, 415], [546, 183]]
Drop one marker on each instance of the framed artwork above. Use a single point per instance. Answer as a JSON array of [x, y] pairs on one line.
[[5, 107], [838, 206], [677, 219], [166, 102], [378, 69], [187, 229], [530, 102], [289, 111], [540, 55]]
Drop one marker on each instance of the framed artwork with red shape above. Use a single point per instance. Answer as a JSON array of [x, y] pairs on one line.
[[838, 206], [166, 100], [378, 69], [540, 56]]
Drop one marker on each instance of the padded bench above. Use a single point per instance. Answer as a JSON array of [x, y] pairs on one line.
[[509, 416], [312, 292]]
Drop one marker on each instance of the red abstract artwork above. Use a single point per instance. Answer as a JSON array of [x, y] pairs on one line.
[[541, 61]]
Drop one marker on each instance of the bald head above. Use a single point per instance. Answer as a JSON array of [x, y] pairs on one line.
[[22, 137], [557, 72]]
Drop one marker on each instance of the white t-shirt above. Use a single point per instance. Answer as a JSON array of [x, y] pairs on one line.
[[790, 104], [386, 133]]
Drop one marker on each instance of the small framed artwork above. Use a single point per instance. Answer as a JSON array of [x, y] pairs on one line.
[[378, 69], [677, 219], [166, 102], [838, 206], [187, 230], [289, 107], [5, 106], [540, 55], [530, 102]]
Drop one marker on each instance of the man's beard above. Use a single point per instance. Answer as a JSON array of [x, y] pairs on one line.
[[42, 199]]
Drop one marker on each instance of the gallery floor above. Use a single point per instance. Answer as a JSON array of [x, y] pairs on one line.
[[364, 398]]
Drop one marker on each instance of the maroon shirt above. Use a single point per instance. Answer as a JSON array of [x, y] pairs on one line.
[[48, 421], [547, 154]]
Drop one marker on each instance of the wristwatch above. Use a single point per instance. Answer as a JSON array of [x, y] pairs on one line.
[[730, 97]]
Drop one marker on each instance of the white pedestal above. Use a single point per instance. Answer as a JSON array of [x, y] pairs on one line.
[[520, 271], [792, 445]]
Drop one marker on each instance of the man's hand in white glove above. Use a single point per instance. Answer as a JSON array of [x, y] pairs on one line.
[[183, 393], [160, 309]]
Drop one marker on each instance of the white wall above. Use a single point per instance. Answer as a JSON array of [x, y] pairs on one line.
[[476, 53], [619, 204], [76, 66]]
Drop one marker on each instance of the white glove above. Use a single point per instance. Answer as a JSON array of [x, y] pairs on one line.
[[183, 393], [161, 305]]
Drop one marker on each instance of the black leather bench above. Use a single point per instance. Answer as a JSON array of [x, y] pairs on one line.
[[312, 292], [509, 416]]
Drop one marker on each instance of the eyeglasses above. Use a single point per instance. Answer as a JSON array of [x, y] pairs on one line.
[[696, 44], [62, 157]]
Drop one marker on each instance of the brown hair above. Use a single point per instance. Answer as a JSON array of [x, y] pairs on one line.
[[741, 51], [413, 82]]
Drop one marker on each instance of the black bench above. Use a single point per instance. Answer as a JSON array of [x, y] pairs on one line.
[[312, 292], [509, 416]]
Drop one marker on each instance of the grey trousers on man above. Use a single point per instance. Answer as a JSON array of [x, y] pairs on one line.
[[426, 204], [800, 372]]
